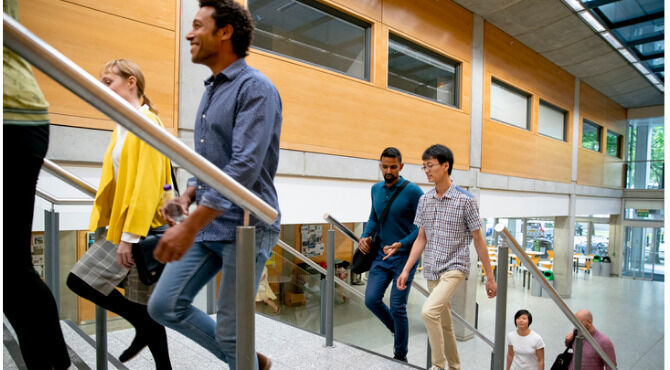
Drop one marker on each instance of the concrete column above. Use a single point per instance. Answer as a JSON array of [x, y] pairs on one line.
[[642, 139], [615, 249], [564, 239], [67, 259], [476, 94], [465, 299]]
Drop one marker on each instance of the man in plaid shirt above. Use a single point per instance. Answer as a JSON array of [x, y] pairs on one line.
[[448, 221]]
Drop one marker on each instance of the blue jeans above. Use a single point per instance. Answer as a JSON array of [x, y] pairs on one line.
[[395, 318], [171, 303]]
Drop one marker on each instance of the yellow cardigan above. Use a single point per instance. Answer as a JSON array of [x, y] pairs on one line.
[[131, 204]]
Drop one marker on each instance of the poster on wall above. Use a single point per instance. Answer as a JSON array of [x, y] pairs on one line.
[[312, 240]]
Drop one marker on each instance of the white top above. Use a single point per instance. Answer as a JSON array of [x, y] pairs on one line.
[[121, 133], [525, 355]]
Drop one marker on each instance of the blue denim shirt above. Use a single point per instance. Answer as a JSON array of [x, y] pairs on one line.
[[399, 224], [237, 128]]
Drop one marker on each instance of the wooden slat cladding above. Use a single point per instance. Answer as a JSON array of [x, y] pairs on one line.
[[158, 13], [327, 112], [90, 35], [598, 168], [513, 151]]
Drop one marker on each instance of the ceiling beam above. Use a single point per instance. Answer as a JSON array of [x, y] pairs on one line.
[[637, 20], [645, 40], [597, 3], [655, 55]]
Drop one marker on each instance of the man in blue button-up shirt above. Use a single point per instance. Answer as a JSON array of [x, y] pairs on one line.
[[396, 232], [237, 129]]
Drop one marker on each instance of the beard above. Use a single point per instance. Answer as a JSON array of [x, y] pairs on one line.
[[390, 178]]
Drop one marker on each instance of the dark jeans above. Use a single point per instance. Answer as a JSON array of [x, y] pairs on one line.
[[28, 303], [381, 274]]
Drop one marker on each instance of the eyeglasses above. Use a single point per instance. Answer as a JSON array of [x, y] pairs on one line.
[[428, 166]]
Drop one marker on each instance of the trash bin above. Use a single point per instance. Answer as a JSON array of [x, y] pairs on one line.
[[605, 266], [549, 275], [596, 265]]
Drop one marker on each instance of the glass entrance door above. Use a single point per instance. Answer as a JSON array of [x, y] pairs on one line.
[[644, 253]]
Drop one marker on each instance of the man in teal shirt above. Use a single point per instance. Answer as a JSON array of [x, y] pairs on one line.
[[396, 232]]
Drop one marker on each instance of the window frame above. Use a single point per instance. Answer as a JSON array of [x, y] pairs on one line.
[[619, 144], [340, 14], [600, 135], [432, 53], [565, 120], [516, 90]]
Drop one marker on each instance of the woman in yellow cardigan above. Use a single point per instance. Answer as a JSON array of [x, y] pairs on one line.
[[127, 204]]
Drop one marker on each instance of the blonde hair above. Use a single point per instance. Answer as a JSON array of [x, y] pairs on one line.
[[126, 68]]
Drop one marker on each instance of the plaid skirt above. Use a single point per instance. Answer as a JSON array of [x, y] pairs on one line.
[[99, 269]]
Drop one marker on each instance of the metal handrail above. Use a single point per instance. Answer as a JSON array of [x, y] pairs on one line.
[[69, 178], [62, 201], [82, 84], [535, 271], [350, 234], [318, 268]]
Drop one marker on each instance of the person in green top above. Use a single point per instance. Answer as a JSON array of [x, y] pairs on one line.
[[28, 303]]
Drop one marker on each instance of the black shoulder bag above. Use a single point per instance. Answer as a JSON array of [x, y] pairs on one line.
[[563, 359], [149, 268], [363, 261]]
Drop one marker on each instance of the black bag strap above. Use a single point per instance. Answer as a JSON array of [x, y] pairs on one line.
[[174, 179], [574, 336], [388, 205]]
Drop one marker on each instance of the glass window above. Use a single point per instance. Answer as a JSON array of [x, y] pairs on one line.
[[581, 237], [314, 33], [600, 239], [510, 105], [552, 121], [419, 71], [614, 143], [591, 136]]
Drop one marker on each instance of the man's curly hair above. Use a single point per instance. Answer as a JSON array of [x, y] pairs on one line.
[[232, 13]]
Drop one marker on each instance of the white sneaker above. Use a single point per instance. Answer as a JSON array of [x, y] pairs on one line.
[[435, 368]]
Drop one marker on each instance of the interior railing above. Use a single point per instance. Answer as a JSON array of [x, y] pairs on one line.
[[351, 235], [62, 70], [560, 303]]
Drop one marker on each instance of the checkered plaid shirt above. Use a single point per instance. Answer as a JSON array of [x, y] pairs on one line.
[[448, 222]]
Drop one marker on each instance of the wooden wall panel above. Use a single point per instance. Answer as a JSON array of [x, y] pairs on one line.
[[513, 151], [160, 13], [552, 159], [444, 25], [367, 8], [326, 112], [590, 168], [507, 150], [91, 37], [607, 171]]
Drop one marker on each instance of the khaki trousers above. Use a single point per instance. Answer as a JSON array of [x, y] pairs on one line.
[[436, 314]]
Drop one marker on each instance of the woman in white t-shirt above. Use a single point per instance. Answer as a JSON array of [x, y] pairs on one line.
[[525, 350]]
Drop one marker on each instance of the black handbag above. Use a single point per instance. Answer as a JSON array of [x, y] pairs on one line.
[[149, 268], [563, 360], [363, 261]]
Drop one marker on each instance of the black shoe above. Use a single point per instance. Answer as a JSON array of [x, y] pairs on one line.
[[136, 346], [399, 358]]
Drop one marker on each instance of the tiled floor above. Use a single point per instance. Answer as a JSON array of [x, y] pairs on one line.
[[630, 312]]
